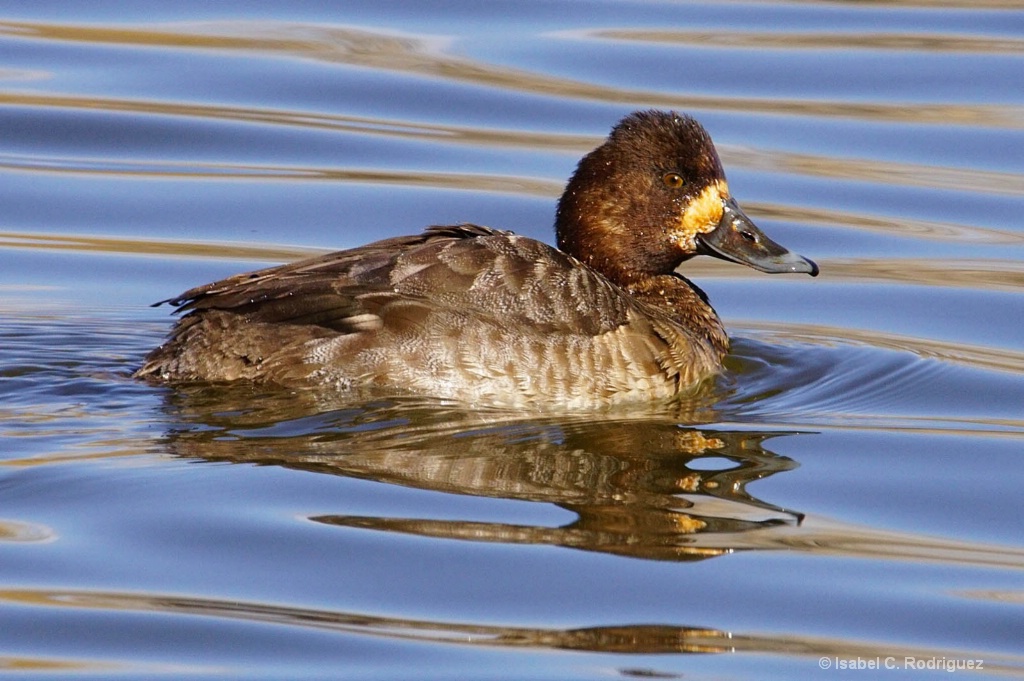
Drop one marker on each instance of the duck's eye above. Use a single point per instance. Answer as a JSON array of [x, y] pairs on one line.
[[672, 180]]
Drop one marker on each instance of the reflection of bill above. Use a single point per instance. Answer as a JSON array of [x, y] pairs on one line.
[[657, 495]]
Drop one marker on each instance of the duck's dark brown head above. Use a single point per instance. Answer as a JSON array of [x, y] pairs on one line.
[[653, 195]]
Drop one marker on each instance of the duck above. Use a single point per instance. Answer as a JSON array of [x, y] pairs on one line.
[[486, 317]]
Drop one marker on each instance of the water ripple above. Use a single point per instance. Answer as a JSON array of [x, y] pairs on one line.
[[256, 172], [809, 165], [901, 225], [974, 356], [190, 248], [425, 56], [883, 172], [808, 375], [620, 638], [988, 274], [825, 41]]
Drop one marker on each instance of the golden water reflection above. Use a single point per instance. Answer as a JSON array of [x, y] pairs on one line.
[[831, 40], [826, 167], [260, 172], [888, 173], [23, 532], [891, 226], [627, 639], [362, 125], [989, 274], [811, 165], [426, 56], [49, 665], [194, 249]]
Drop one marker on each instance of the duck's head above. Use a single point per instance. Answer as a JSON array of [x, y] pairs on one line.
[[653, 195]]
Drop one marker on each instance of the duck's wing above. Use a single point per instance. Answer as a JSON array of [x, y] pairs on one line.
[[474, 269]]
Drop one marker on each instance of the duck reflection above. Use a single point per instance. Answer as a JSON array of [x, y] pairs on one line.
[[639, 485]]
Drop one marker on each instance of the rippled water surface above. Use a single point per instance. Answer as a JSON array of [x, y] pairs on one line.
[[848, 493]]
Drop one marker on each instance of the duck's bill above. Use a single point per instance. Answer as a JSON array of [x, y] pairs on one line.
[[737, 239]]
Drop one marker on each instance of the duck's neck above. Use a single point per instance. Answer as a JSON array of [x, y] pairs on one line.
[[588, 230], [597, 230], [673, 295], [682, 301]]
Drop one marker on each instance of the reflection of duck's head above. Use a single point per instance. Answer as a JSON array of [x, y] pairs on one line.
[[653, 195]]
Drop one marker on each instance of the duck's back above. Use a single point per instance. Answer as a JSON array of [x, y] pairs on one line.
[[464, 312]]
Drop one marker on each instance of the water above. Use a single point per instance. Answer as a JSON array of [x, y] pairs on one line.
[[844, 501]]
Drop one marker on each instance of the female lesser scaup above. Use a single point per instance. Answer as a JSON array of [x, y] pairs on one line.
[[487, 317]]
